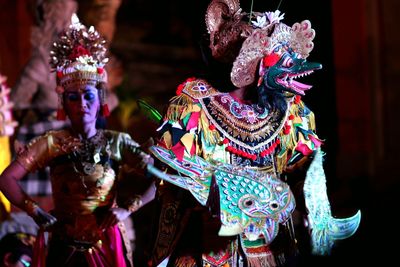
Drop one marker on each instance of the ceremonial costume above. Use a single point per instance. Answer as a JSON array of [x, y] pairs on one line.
[[233, 154], [84, 185]]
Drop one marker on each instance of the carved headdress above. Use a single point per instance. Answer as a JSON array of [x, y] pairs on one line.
[[7, 123], [266, 36], [79, 57]]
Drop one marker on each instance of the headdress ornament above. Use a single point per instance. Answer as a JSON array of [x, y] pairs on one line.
[[79, 56], [266, 36]]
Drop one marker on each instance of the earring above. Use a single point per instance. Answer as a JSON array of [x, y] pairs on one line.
[[105, 112], [61, 116]]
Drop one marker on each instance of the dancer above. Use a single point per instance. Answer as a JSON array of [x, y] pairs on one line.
[[85, 226], [245, 148]]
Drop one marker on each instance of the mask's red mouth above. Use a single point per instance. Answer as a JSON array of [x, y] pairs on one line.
[[288, 81]]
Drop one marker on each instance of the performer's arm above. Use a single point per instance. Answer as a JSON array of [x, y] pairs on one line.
[[15, 194]]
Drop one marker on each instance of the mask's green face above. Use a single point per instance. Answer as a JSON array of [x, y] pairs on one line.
[[281, 76]]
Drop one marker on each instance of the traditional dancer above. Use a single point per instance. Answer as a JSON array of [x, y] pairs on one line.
[[235, 149], [85, 226]]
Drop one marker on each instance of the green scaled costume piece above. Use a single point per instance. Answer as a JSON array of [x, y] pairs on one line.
[[325, 229], [249, 202]]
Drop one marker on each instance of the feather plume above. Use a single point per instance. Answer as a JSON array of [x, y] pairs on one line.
[[150, 111]]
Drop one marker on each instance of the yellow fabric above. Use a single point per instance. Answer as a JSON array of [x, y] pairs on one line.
[[187, 141], [177, 107], [189, 109], [5, 158], [167, 139]]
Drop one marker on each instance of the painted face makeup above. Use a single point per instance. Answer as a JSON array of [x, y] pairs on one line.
[[82, 106]]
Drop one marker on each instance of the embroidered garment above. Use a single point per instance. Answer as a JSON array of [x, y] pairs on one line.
[[202, 121], [84, 188]]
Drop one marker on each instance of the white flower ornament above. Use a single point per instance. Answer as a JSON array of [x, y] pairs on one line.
[[275, 17], [261, 21]]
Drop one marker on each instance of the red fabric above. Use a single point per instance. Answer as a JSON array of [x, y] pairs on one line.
[[178, 150], [116, 243], [317, 142], [39, 251], [105, 110], [193, 121], [61, 115], [109, 254], [304, 149]]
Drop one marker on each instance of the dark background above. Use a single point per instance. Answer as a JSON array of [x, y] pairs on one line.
[[355, 95]]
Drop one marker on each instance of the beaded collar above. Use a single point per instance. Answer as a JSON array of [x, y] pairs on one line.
[[89, 154], [250, 131]]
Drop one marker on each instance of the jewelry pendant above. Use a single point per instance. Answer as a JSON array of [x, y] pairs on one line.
[[96, 158], [100, 182], [88, 168]]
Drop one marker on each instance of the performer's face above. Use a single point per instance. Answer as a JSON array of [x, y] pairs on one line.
[[82, 106]]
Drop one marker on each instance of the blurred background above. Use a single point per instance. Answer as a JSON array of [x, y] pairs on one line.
[[155, 45]]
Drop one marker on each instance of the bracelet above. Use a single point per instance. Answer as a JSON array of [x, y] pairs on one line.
[[30, 207]]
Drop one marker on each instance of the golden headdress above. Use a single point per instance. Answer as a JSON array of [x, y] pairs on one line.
[[79, 57], [265, 36]]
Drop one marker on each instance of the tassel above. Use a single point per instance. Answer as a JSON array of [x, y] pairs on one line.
[[211, 135], [311, 121], [105, 112], [178, 105], [61, 115]]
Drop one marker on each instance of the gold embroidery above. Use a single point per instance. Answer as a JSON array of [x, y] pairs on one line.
[[198, 89], [242, 133]]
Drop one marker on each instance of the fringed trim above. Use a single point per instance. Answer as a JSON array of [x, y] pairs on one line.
[[294, 109], [311, 121], [262, 261], [178, 105], [288, 141], [210, 134], [289, 138], [185, 261], [281, 160]]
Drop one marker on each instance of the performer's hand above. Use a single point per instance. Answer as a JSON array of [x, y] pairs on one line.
[[146, 160], [113, 216], [42, 218], [297, 164]]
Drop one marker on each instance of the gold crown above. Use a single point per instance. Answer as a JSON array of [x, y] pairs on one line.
[[79, 56]]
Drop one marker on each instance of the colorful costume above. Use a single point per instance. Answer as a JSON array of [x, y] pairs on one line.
[[84, 185], [232, 155]]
